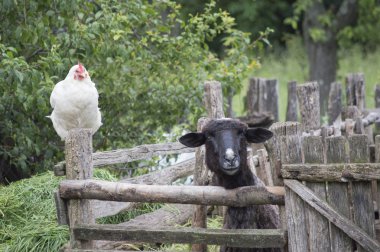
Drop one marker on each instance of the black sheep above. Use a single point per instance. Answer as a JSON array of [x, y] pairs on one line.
[[226, 155]]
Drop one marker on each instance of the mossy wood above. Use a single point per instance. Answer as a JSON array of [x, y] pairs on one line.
[[340, 172], [252, 238]]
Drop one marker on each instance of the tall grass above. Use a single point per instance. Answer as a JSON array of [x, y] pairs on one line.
[[28, 220], [28, 216], [292, 64]]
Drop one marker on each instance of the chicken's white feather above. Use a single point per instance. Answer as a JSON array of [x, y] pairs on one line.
[[75, 103]]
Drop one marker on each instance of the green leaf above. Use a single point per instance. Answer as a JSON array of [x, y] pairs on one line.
[[19, 75], [50, 13]]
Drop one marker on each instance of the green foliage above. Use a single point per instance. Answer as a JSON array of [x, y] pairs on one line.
[[147, 63], [363, 31], [366, 31], [251, 16], [28, 214]]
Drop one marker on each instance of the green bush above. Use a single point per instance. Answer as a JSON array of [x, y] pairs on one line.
[[147, 63]]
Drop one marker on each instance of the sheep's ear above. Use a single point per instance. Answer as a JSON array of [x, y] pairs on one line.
[[257, 135], [193, 139]]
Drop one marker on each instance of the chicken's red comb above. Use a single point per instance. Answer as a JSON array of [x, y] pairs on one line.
[[81, 67]]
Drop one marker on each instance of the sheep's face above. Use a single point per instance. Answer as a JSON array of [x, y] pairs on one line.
[[226, 140]]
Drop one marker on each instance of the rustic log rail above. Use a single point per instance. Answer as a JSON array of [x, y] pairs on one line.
[[129, 155], [137, 153], [210, 195]]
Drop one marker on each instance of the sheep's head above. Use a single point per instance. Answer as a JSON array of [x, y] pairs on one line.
[[226, 141]]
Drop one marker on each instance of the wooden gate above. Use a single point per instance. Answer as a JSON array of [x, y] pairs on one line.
[[329, 180]]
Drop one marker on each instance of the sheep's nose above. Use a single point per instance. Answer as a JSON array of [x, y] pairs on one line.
[[231, 161], [230, 156]]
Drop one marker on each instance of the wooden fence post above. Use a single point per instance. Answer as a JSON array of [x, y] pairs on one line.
[[262, 96], [213, 100], [291, 109], [314, 149], [200, 178], [362, 199], [335, 102], [78, 155], [308, 98], [377, 160], [337, 193], [355, 90], [284, 148], [377, 105]]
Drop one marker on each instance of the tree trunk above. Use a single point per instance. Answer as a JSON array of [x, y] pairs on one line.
[[322, 50], [322, 54]]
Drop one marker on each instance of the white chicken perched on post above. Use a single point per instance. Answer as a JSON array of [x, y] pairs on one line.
[[75, 103]]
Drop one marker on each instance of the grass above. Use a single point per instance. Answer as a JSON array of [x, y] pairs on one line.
[[292, 64], [28, 215]]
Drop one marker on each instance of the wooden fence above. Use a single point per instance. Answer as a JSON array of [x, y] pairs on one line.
[[76, 196], [330, 185]]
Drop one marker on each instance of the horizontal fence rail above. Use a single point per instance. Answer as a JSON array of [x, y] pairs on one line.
[[342, 172], [200, 195], [252, 238], [121, 156]]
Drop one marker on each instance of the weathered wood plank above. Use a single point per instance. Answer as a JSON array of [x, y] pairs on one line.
[[313, 149], [355, 90], [213, 99], [78, 155], [262, 96], [292, 108], [361, 191], [335, 102], [253, 238], [336, 149], [331, 172], [353, 231], [377, 160], [337, 193], [200, 195], [120, 156], [275, 146], [319, 236], [264, 171], [297, 227], [359, 148], [308, 98], [338, 199]]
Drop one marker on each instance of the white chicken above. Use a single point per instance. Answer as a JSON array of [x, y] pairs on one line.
[[75, 103]]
